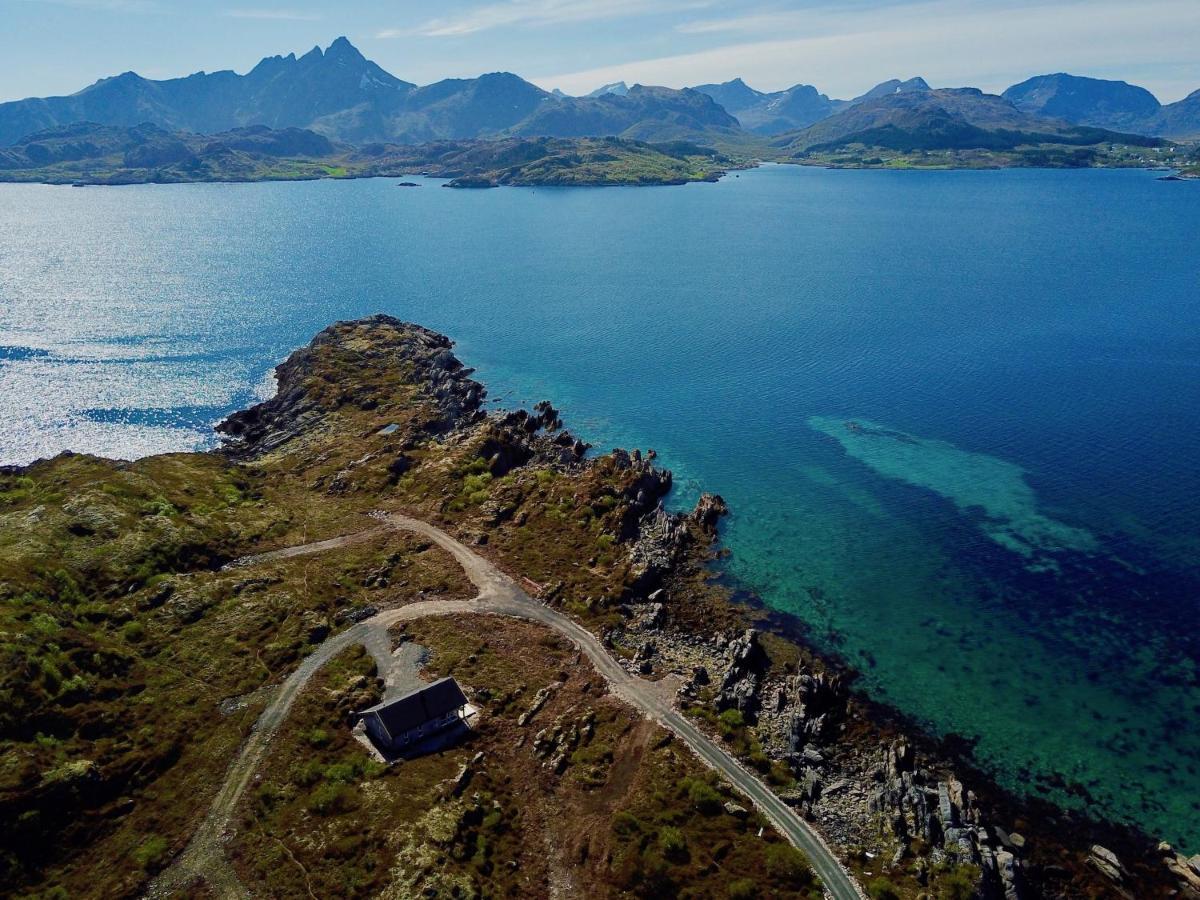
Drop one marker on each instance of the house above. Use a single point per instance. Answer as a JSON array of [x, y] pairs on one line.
[[396, 724]]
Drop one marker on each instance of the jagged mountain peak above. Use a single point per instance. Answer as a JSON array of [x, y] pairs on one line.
[[620, 88]]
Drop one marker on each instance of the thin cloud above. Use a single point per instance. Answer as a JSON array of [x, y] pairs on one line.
[[272, 15], [541, 13], [129, 6], [845, 52]]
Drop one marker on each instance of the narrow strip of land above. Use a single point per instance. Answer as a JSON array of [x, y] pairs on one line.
[[204, 857]]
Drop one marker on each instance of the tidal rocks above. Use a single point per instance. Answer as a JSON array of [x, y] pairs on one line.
[[1185, 871], [661, 538], [1107, 863]]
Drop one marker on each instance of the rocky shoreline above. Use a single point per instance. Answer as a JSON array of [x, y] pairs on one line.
[[896, 803], [112, 568]]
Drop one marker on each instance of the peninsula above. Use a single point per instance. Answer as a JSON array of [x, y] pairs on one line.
[[90, 154], [188, 638]]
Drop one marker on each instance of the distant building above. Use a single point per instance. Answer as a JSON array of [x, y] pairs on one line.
[[396, 724]]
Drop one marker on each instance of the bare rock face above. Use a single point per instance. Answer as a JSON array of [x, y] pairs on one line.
[[912, 803], [740, 685]]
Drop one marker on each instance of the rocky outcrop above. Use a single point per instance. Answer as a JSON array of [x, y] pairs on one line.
[[315, 381], [739, 686], [911, 802]]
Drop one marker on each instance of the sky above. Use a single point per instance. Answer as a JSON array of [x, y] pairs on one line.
[[59, 46]]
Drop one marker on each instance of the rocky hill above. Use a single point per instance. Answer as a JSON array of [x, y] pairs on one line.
[[959, 119], [772, 113], [643, 113], [104, 154], [1106, 104]]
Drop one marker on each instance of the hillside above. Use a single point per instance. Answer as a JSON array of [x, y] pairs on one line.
[[561, 162], [106, 154], [87, 153], [1106, 104], [951, 121], [1084, 101], [643, 113]]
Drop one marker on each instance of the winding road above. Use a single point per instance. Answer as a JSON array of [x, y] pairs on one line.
[[204, 857]]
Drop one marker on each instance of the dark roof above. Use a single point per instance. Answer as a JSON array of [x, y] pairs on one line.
[[420, 706]]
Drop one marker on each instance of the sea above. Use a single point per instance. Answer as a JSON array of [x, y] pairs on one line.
[[956, 414]]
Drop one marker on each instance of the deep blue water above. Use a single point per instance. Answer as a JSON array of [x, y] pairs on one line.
[[955, 413]]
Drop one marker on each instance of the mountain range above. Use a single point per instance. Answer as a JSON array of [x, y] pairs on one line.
[[944, 119], [340, 94], [343, 95]]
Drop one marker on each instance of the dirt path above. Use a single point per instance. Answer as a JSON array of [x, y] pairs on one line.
[[204, 857], [305, 549]]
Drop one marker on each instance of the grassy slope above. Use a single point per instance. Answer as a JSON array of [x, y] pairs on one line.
[[536, 161], [630, 810]]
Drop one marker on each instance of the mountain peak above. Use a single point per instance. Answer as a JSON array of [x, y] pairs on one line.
[[894, 86], [343, 49], [1087, 101], [620, 88]]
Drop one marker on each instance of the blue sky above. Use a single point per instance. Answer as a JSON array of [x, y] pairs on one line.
[[59, 46]]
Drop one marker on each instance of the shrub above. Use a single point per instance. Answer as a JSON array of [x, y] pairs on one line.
[[958, 883], [730, 721], [342, 772], [743, 889], [133, 632], [703, 796], [673, 844], [150, 852], [786, 863], [882, 889], [318, 737], [329, 798], [626, 824]]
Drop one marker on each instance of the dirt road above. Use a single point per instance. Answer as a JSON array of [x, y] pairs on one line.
[[204, 857]]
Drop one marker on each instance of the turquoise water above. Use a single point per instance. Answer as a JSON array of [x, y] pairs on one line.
[[955, 413]]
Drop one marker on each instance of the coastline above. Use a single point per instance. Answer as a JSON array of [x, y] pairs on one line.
[[851, 764]]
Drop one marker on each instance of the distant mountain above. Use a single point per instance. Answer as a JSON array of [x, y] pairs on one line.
[[645, 114], [1084, 101], [1178, 120], [458, 108], [944, 119], [347, 98], [344, 96], [895, 86], [619, 88], [1107, 104], [797, 107], [280, 92], [736, 96]]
